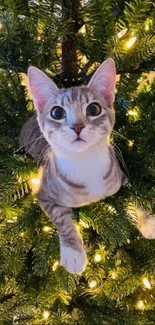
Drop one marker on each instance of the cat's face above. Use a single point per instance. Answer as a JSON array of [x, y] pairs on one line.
[[77, 118]]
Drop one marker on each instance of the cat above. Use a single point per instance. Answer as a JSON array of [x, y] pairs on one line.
[[80, 165]]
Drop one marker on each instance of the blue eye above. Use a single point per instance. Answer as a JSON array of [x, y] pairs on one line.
[[58, 113], [93, 109]]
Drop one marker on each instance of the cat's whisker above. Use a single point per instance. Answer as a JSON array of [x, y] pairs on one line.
[[34, 145], [27, 144], [42, 154], [120, 157], [120, 135]]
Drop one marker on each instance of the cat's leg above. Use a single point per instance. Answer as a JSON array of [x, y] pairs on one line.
[[73, 256]]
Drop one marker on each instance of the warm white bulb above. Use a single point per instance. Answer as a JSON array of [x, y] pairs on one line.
[[83, 29], [1, 25], [112, 209], [22, 234], [122, 32], [132, 112], [35, 181], [147, 27], [92, 284], [131, 143], [46, 314], [55, 265], [83, 224], [146, 283], [131, 42], [114, 275], [140, 304], [46, 229], [97, 257]]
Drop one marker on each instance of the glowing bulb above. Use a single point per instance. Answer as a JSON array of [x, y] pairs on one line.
[[22, 234], [146, 283], [97, 257], [55, 265], [122, 33], [132, 112], [92, 284], [1, 25], [140, 304], [84, 60], [148, 23], [112, 209], [83, 224], [131, 42], [131, 143], [83, 29], [114, 275], [46, 229], [35, 181], [46, 314], [147, 27]]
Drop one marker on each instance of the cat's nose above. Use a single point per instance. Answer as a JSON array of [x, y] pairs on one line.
[[78, 127]]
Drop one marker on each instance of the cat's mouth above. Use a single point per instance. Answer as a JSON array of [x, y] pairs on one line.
[[78, 140]]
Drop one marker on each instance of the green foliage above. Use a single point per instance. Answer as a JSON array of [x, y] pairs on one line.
[[31, 279]]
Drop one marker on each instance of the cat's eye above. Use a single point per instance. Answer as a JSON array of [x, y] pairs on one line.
[[93, 109], [58, 113]]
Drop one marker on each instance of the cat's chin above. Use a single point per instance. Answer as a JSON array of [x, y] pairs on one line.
[[77, 146]]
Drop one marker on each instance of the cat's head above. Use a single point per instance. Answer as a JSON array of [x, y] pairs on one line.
[[77, 118]]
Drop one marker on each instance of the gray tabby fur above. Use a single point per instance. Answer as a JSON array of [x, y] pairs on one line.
[[73, 173]]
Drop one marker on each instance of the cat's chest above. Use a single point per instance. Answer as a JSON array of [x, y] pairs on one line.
[[87, 171]]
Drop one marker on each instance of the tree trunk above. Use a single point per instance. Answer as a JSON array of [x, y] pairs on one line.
[[70, 10]]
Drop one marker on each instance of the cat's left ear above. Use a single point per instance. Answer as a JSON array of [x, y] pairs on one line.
[[104, 80], [41, 87]]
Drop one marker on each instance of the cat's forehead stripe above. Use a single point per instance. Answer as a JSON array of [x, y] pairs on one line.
[[65, 99], [75, 94]]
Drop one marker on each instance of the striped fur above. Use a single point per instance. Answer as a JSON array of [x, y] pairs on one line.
[[75, 173]]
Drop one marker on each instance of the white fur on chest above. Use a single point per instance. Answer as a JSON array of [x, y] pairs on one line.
[[86, 168]]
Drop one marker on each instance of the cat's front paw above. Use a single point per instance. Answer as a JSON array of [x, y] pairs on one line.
[[74, 261]]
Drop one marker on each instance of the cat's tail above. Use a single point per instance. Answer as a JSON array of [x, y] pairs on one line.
[[143, 221]]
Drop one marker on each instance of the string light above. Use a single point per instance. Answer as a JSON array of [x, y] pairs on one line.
[[35, 181], [46, 229], [83, 224], [131, 143], [97, 257], [130, 42], [92, 284], [112, 209], [132, 112], [147, 27], [14, 219], [147, 24], [83, 30], [140, 304], [146, 283], [55, 265], [22, 234], [122, 33], [46, 314], [114, 275]]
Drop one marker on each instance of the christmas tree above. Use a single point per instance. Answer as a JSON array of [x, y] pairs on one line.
[[68, 40]]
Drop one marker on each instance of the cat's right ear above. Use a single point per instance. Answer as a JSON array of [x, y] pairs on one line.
[[41, 87]]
